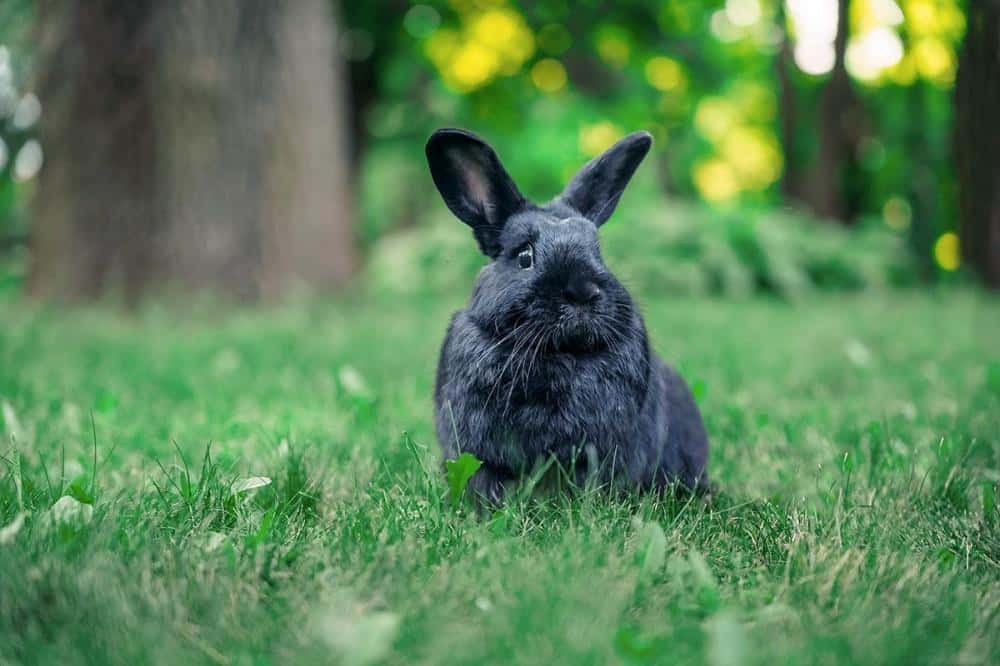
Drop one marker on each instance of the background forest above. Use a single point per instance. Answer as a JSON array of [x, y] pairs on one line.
[[237, 136]]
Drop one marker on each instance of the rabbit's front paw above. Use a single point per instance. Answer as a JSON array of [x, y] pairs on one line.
[[489, 485]]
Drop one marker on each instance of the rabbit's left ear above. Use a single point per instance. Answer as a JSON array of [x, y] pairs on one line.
[[596, 188], [474, 184]]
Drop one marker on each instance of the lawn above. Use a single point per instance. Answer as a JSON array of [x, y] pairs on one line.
[[856, 442]]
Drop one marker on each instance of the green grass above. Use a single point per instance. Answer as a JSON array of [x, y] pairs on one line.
[[856, 440]]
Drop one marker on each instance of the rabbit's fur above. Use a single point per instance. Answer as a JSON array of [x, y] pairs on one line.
[[551, 356]]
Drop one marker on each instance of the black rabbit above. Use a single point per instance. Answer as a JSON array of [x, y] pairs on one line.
[[551, 356]]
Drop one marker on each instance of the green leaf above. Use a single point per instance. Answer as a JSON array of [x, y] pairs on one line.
[[78, 490], [459, 472], [500, 523]]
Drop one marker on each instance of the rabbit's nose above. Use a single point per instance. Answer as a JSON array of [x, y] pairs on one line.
[[582, 291]]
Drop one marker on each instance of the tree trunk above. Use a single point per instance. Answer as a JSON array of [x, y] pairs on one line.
[[96, 190], [791, 186], [977, 142], [839, 126], [923, 188], [193, 144]]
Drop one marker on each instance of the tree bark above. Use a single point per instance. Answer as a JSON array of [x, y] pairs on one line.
[[839, 124], [977, 142], [791, 186], [197, 144], [97, 133]]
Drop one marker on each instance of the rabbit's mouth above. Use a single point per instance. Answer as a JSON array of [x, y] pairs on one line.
[[578, 332]]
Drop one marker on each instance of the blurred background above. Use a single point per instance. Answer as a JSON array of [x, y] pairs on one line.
[[259, 149]]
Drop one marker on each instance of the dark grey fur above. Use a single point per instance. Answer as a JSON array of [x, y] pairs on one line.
[[553, 359]]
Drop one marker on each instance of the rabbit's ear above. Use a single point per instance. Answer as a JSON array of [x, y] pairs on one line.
[[473, 184], [596, 188]]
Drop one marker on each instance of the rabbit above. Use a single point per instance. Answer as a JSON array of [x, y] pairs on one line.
[[551, 357]]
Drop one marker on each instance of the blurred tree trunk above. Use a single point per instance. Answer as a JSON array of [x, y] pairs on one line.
[[923, 187], [839, 127], [791, 185], [193, 144], [977, 141]]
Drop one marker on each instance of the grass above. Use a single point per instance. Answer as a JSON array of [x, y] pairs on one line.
[[856, 440]]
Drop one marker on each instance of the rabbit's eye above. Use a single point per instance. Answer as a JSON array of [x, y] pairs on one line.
[[526, 257]]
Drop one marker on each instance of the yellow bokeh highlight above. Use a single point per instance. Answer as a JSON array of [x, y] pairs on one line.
[[754, 155], [613, 49], [947, 252], [746, 155], [755, 101], [505, 32], [921, 16], [864, 17], [494, 40], [935, 61], [716, 180], [665, 74], [596, 138], [549, 75], [714, 117], [474, 65], [934, 18], [934, 28], [904, 72], [441, 44]]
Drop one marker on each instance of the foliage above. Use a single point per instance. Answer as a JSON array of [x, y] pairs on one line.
[[855, 441], [459, 472], [554, 83], [678, 249]]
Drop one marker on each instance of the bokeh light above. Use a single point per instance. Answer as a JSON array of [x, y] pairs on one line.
[[754, 155], [897, 213], [596, 138], [27, 112], [421, 21], [716, 180], [873, 52], [665, 74], [613, 47], [29, 161], [947, 252], [714, 117], [549, 75], [496, 42], [814, 26], [743, 13]]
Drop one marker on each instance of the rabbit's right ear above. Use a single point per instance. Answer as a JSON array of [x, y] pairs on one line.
[[473, 184]]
